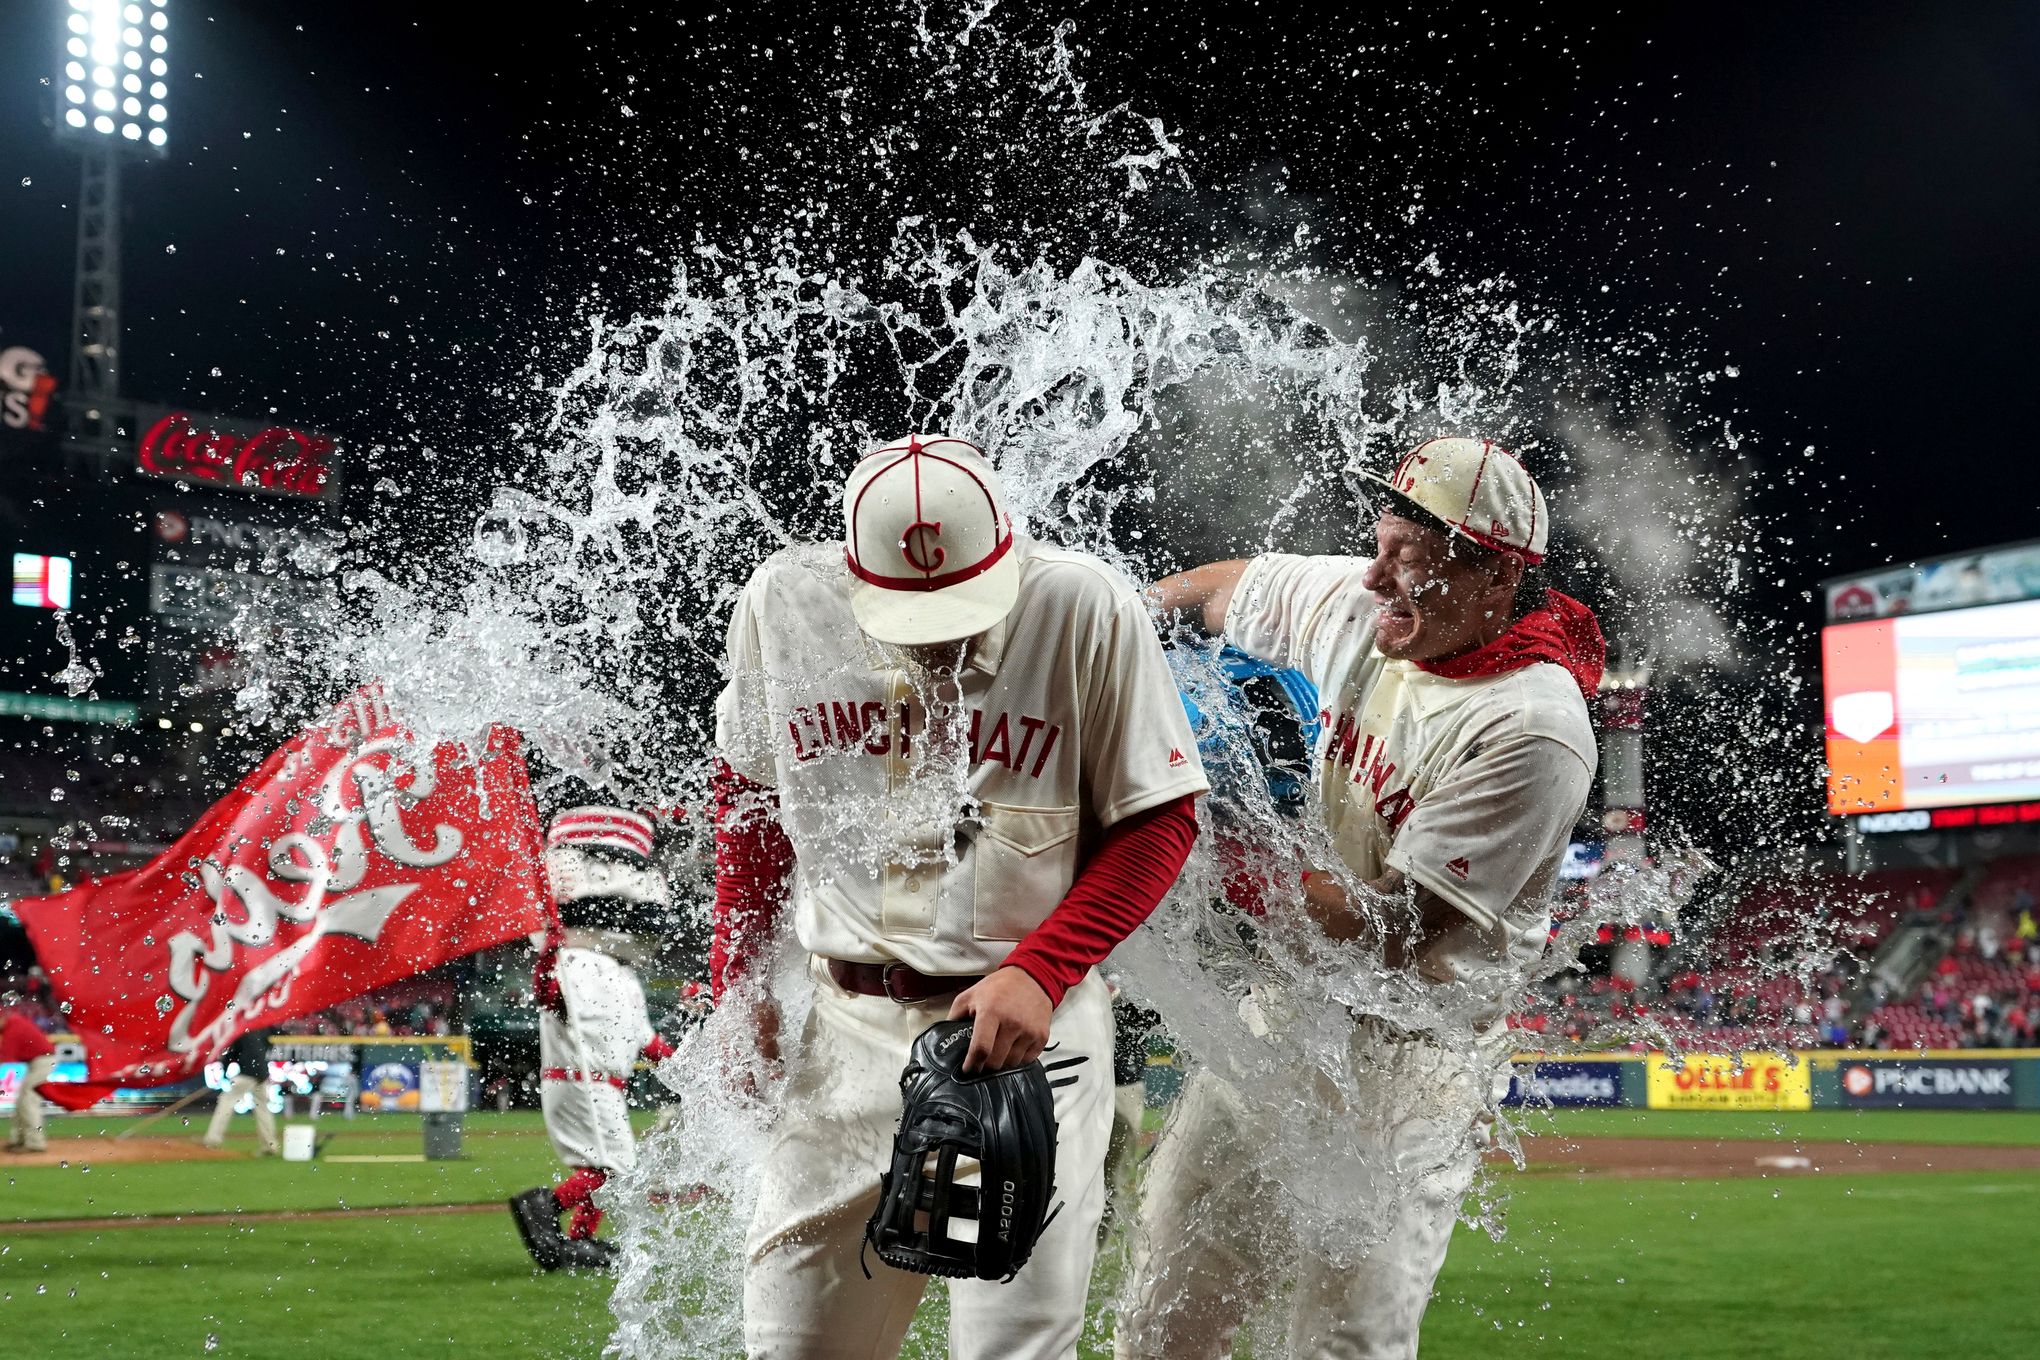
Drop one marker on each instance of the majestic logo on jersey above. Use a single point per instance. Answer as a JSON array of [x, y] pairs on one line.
[[1346, 747], [922, 546], [1176, 758], [1018, 741], [1459, 868]]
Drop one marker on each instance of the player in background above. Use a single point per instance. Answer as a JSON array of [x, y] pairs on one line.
[[22, 1041], [956, 755], [250, 1055], [592, 1022], [1455, 756]]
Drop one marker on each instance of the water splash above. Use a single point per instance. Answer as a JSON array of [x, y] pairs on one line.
[[1137, 409]]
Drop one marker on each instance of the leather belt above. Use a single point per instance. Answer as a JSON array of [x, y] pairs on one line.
[[895, 981]]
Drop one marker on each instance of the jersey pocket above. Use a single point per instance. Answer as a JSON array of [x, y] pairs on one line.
[[1026, 860]]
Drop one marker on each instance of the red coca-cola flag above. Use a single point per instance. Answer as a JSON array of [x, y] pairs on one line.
[[344, 863]]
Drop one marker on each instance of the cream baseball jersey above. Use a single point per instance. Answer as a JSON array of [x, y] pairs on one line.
[[585, 1056], [937, 820], [1468, 787], [607, 1005]]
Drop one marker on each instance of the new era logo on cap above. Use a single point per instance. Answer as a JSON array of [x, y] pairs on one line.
[[928, 537], [606, 828], [1477, 488]]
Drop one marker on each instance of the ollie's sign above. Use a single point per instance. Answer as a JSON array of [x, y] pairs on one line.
[[276, 459]]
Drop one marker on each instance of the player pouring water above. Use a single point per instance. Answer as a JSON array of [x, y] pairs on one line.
[[1454, 758]]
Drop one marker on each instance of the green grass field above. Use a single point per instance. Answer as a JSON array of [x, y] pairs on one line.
[[1857, 1266]]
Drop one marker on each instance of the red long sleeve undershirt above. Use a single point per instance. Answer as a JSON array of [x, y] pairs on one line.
[[753, 869], [1117, 888]]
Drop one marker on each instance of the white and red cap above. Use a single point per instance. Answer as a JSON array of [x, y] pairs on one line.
[[930, 542], [602, 828], [1477, 488]]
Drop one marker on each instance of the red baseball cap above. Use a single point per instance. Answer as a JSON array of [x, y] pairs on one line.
[[1477, 488]]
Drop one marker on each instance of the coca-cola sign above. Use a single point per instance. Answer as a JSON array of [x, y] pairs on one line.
[[277, 459]]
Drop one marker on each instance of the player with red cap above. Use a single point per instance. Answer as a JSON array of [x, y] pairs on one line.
[[1454, 757], [955, 755]]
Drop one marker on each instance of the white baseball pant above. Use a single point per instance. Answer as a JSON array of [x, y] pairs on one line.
[[1213, 1242], [26, 1130], [805, 1295], [265, 1119], [588, 1120], [586, 1055]]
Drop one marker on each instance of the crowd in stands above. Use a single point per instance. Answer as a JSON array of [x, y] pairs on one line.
[[1787, 968], [28, 992], [107, 789], [1985, 991], [411, 1009]]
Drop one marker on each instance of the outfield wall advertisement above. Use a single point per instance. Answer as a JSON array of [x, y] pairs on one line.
[[1568, 1083], [395, 1073], [1880, 1083], [1727, 1081], [1822, 1079]]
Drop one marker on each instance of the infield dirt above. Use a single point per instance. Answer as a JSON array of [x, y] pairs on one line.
[[1674, 1159], [101, 1151]]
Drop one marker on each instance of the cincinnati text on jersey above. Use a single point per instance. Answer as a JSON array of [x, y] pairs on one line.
[[1367, 756], [1017, 741]]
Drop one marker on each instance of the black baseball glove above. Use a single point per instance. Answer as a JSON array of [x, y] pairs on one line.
[[1005, 1122]]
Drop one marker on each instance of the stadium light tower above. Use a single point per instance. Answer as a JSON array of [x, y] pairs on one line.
[[114, 105]]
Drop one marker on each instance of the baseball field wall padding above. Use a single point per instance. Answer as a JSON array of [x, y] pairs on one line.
[[1947, 1079]]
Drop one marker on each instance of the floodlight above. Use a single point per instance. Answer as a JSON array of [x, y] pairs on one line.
[[107, 46]]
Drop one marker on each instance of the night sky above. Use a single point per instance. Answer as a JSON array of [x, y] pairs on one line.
[[380, 221], [388, 221]]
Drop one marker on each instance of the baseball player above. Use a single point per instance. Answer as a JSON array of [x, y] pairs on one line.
[[956, 753], [592, 1023], [22, 1041], [250, 1056], [1454, 758]]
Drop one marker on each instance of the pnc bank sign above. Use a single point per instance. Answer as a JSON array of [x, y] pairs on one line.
[[205, 450]]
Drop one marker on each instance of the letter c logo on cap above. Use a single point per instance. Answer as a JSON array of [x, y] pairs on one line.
[[921, 546]]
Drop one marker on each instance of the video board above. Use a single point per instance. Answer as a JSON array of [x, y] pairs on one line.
[[1933, 710]]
